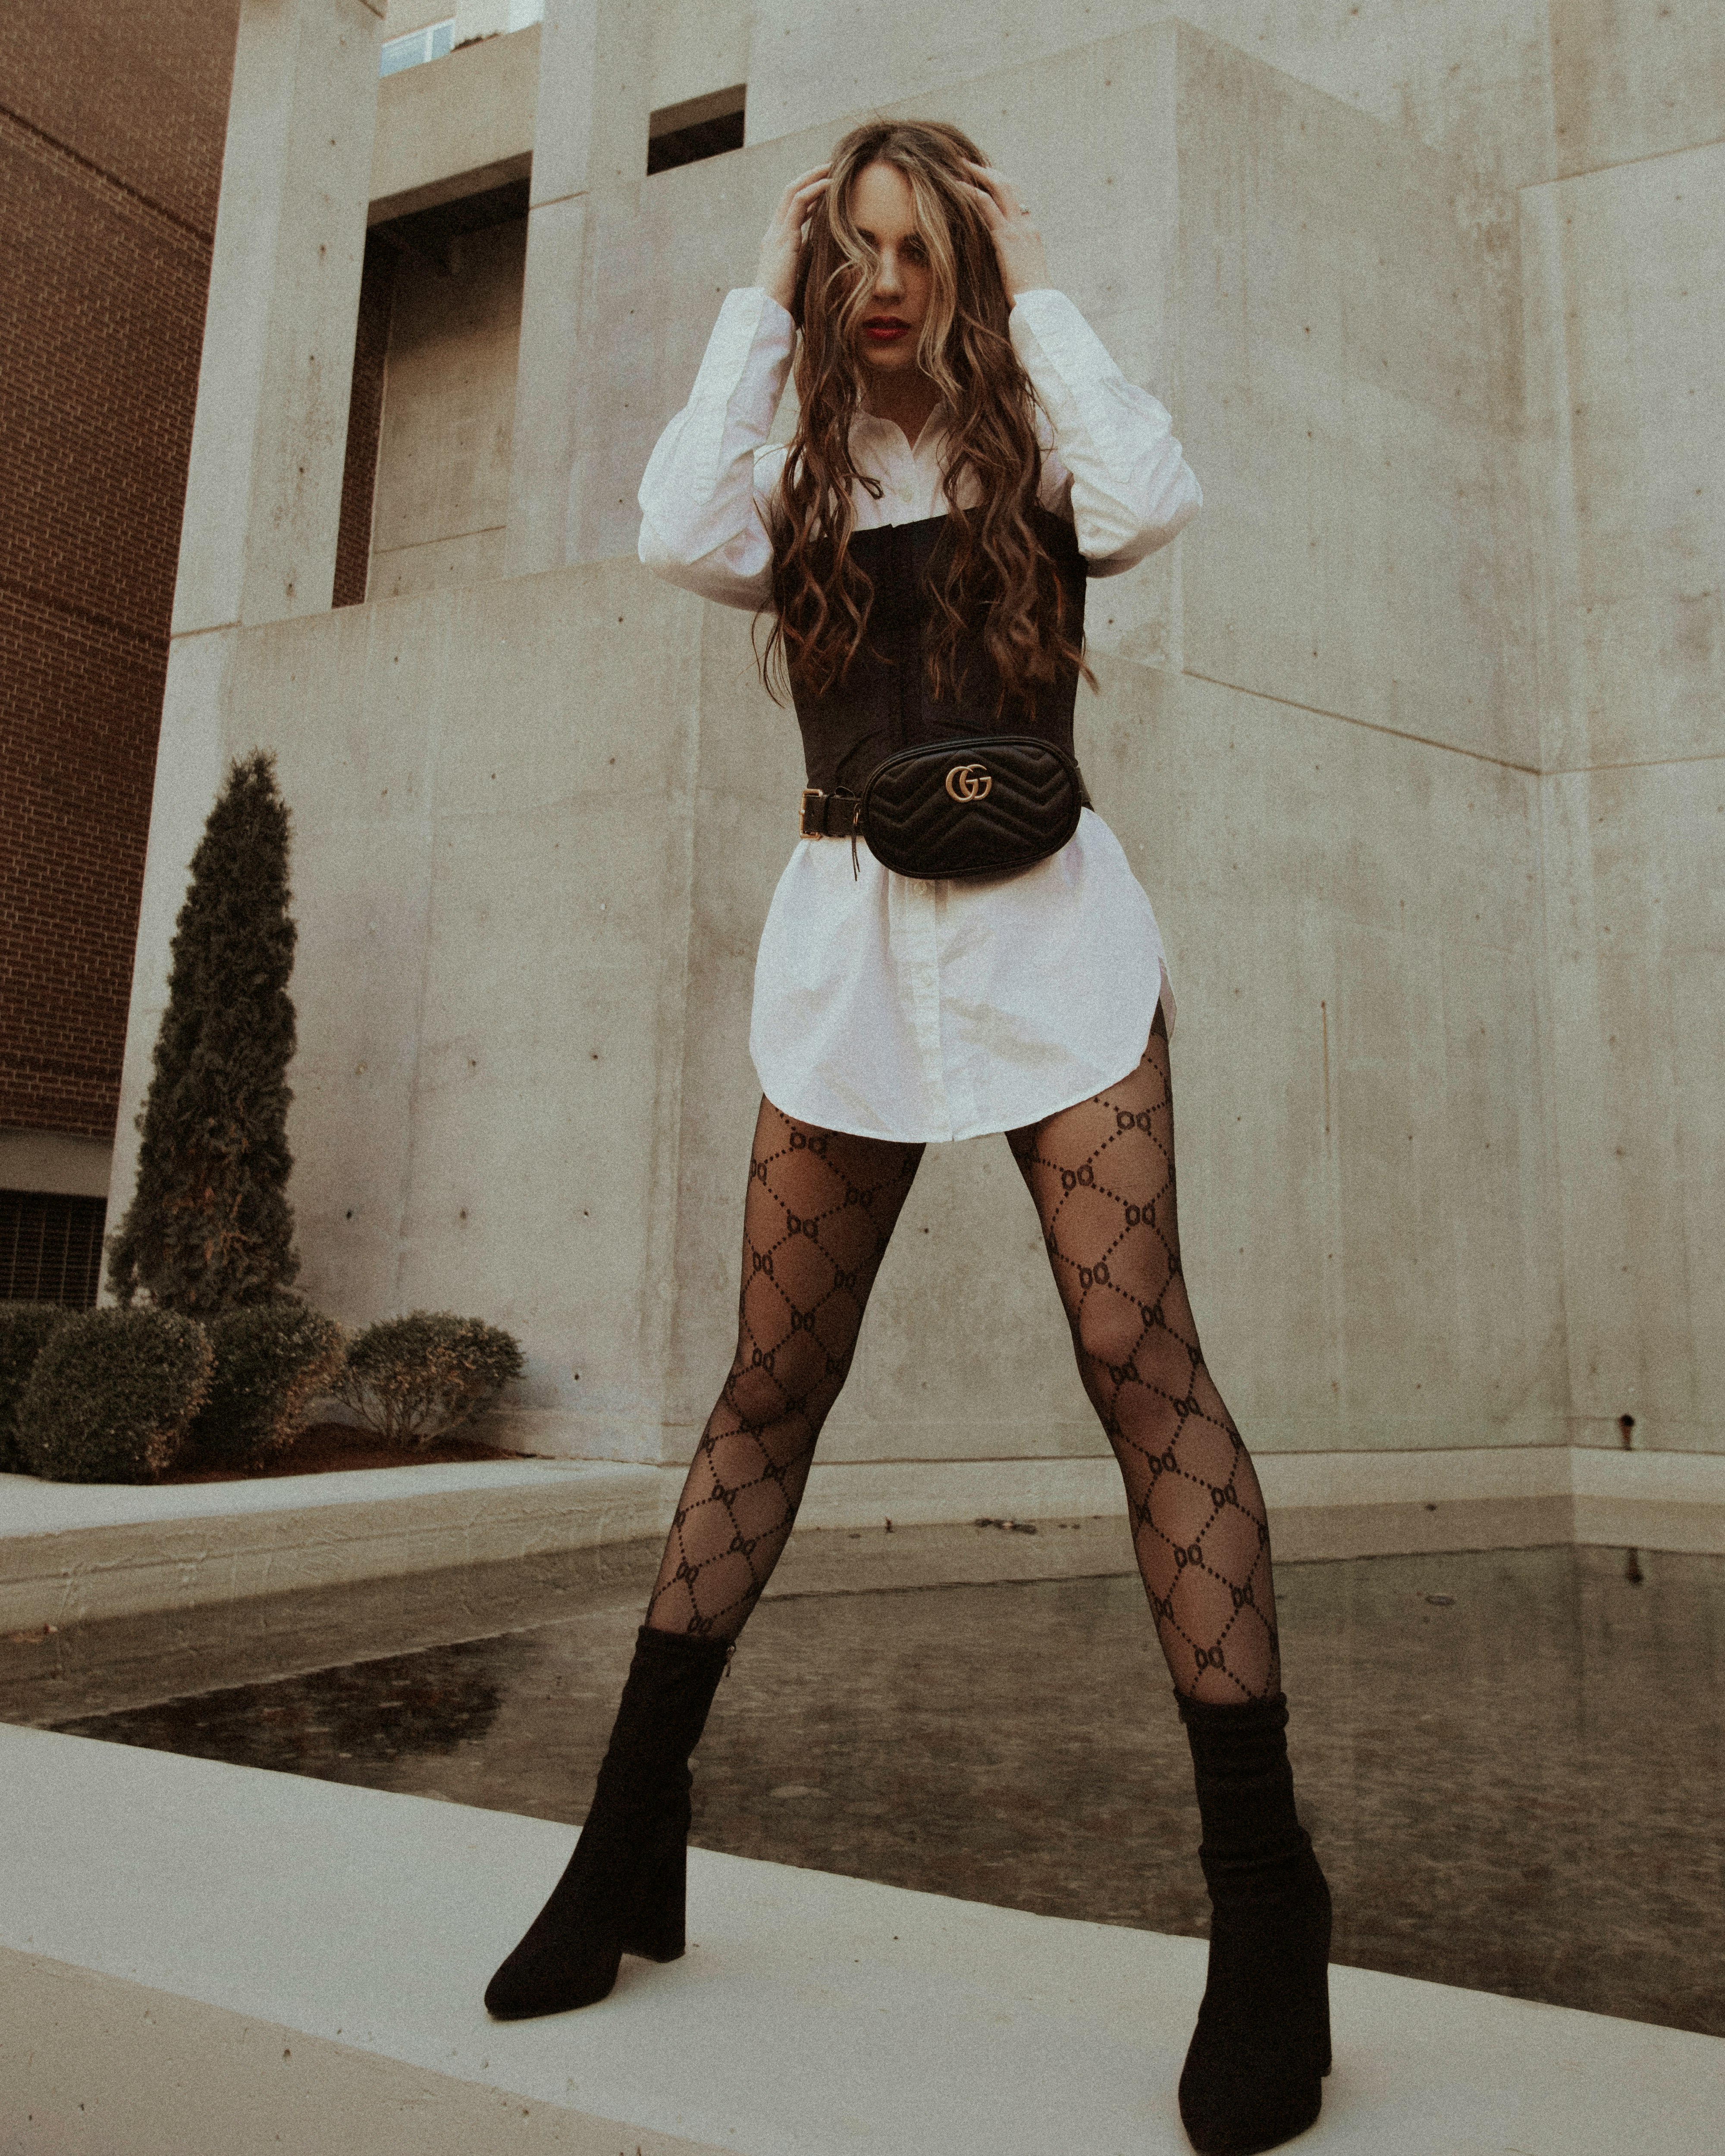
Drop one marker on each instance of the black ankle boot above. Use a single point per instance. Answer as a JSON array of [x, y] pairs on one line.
[[1254, 2074], [622, 1891]]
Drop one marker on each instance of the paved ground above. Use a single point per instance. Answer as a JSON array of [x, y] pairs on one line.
[[1510, 1762], [198, 1959]]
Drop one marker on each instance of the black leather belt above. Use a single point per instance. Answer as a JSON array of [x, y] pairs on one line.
[[824, 815]]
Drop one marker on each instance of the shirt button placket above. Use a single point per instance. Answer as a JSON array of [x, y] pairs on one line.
[[925, 983]]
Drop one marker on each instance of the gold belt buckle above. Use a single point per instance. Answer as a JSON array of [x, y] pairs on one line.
[[810, 793]]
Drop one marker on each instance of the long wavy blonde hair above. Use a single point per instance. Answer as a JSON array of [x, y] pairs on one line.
[[991, 565]]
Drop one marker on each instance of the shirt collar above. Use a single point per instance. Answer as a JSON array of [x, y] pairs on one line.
[[933, 428]]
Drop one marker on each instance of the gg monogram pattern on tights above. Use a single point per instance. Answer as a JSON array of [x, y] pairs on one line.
[[820, 1211], [821, 1208], [1102, 1175]]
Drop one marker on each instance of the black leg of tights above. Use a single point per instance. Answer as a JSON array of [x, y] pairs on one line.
[[1102, 1175], [820, 1211]]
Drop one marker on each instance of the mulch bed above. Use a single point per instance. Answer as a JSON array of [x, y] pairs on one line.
[[332, 1448]]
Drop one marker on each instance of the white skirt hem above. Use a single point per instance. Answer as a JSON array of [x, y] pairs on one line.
[[1165, 1002], [926, 1013]]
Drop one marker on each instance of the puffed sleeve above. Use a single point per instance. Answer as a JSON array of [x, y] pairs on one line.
[[1131, 488], [709, 483]]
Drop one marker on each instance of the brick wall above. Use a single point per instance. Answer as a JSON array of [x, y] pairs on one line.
[[112, 115]]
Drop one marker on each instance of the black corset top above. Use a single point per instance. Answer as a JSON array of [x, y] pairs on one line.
[[884, 704]]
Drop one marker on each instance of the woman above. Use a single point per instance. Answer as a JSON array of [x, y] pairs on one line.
[[966, 454]]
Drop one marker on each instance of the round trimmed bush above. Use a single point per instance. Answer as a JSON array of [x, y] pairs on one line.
[[272, 1360], [111, 1395], [411, 1379], [25, 1330]]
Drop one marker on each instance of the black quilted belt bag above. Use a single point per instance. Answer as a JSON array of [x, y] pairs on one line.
[[986, 805]]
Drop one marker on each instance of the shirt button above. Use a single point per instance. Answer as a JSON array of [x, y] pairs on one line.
[[919, 885]]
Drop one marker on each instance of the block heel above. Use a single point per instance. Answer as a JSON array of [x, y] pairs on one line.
[[656, 1926], [1255, 2071], [622, 1891]]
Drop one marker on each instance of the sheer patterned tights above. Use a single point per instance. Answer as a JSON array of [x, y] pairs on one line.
[[1102, 1175], [821, 1208]]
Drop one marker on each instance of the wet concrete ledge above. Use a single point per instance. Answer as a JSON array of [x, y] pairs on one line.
[[71, 1553], [205, 1959], [74, 1553]]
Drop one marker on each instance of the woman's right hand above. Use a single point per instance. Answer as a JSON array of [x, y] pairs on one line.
[[781, 249]]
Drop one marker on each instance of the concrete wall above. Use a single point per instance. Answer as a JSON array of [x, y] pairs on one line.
[[263, 489], [442, 497], [525, 1086], [1624, 299], [1468, 74], [455, 125], [1633, 79], [1411, 738], [1330, 888], [1522, 90], [491, 792], [55, 1161]]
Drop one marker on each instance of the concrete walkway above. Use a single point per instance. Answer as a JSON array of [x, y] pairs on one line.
[[75, 1554], [71, 1553], [204, 1960]]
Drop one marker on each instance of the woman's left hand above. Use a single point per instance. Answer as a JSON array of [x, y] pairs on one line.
[[1018, 245]]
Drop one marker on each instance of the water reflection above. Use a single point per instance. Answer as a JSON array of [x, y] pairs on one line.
[[1510, 1761], [356, 1724]]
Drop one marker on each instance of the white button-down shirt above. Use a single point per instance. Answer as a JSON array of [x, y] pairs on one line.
[[884, 1004]]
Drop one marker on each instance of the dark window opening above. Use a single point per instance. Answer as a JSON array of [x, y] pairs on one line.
[[365, 423], [51, 1247], [428, 235], [431, 233], [700, 127]]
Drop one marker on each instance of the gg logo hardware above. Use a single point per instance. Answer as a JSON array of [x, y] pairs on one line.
[[963, 784]]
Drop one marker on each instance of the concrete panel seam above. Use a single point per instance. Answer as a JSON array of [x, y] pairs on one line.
[[1623, 164], [1371, 725], [1633, 763]]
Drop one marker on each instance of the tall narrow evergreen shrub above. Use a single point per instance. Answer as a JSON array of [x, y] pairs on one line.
[[209, 1227]]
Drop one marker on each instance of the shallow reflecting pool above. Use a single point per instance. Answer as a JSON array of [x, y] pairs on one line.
[[1510, 1762]]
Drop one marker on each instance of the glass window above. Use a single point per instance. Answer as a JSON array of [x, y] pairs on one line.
[[418, 46]]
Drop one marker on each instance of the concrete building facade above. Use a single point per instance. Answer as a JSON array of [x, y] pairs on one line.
[[1415, 737]]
